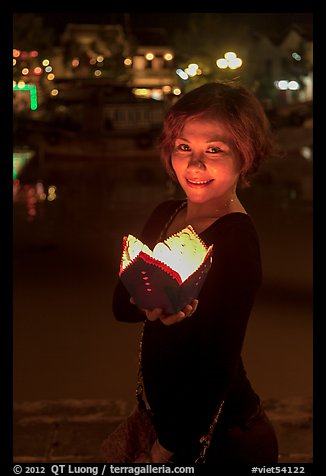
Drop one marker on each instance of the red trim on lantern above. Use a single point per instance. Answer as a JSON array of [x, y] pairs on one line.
[[159, 264]]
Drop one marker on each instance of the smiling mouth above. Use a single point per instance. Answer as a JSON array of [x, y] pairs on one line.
[[198, 183]]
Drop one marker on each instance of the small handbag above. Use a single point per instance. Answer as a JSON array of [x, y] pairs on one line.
[[136, 433]]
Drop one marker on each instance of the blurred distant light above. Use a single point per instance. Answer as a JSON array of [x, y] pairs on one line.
[[20, 159], [75, 62], [222, 63], [199, 71], [24, 55], [16, 185], [38, 70], [21, 86], [33, 54], [282, 84], [52, 193], [33, 97], [142, 92], [54, 92], [14, 61], [306, 152], [177, 91], [128, 61], [235, 63], [168, 56], [48, 69], [92, 61], [149, 56], [45, 62], [41, 195], [230, 60], [157, 94], [16, 53], [191, 70], [51, 77], [25, 71], [14, 83], [293, 85], [296, 56], [39, 188], [182, 74], [100, 59], [166, 89], [230, 55], [31, 208], [97, 72]]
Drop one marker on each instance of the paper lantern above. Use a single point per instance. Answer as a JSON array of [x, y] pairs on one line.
[[168, 277]]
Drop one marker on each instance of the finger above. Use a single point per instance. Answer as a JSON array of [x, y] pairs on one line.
[[194, 305], [154, 314], [188, 310], [173, 318]]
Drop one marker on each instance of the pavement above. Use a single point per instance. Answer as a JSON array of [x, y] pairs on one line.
[[71, 431]]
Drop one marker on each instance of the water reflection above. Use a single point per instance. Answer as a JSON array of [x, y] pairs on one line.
[[67, 195], [30, 198], [91, 191]]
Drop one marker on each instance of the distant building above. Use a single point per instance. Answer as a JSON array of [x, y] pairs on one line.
[[94, 51], [153, 70], [281, 67], [133, 68], [141, 59]]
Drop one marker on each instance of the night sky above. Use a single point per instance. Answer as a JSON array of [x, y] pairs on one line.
[[171, 21]]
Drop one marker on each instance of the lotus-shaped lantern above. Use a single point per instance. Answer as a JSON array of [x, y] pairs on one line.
[[168, 277]]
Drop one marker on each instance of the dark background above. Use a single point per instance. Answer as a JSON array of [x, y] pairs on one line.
[[174, 20], [66, 341]]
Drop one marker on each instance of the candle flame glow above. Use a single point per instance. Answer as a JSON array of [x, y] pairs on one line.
[[183, 252]]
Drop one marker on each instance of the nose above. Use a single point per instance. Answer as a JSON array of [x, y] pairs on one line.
[[196, 161]]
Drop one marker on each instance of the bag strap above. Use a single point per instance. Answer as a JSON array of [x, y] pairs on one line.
[[206, 439], [140, 381]]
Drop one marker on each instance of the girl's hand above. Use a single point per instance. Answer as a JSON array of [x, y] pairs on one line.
[[169, 319]]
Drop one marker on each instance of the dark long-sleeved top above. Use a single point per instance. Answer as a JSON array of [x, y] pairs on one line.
[[191, 366]]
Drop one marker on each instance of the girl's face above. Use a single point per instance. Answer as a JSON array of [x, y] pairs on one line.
[[204, 163]]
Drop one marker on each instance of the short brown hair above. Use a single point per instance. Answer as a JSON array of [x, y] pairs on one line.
[[237, 108]]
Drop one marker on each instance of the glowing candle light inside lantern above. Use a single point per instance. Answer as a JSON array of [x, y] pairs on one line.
[[183, 252], [175, 269]]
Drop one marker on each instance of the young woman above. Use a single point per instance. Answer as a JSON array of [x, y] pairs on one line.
[[214, 139]]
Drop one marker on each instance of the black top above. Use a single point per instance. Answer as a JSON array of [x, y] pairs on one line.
[[191, 366]]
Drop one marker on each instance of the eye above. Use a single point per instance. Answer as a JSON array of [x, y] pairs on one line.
[[214, 150], [183, 147]]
